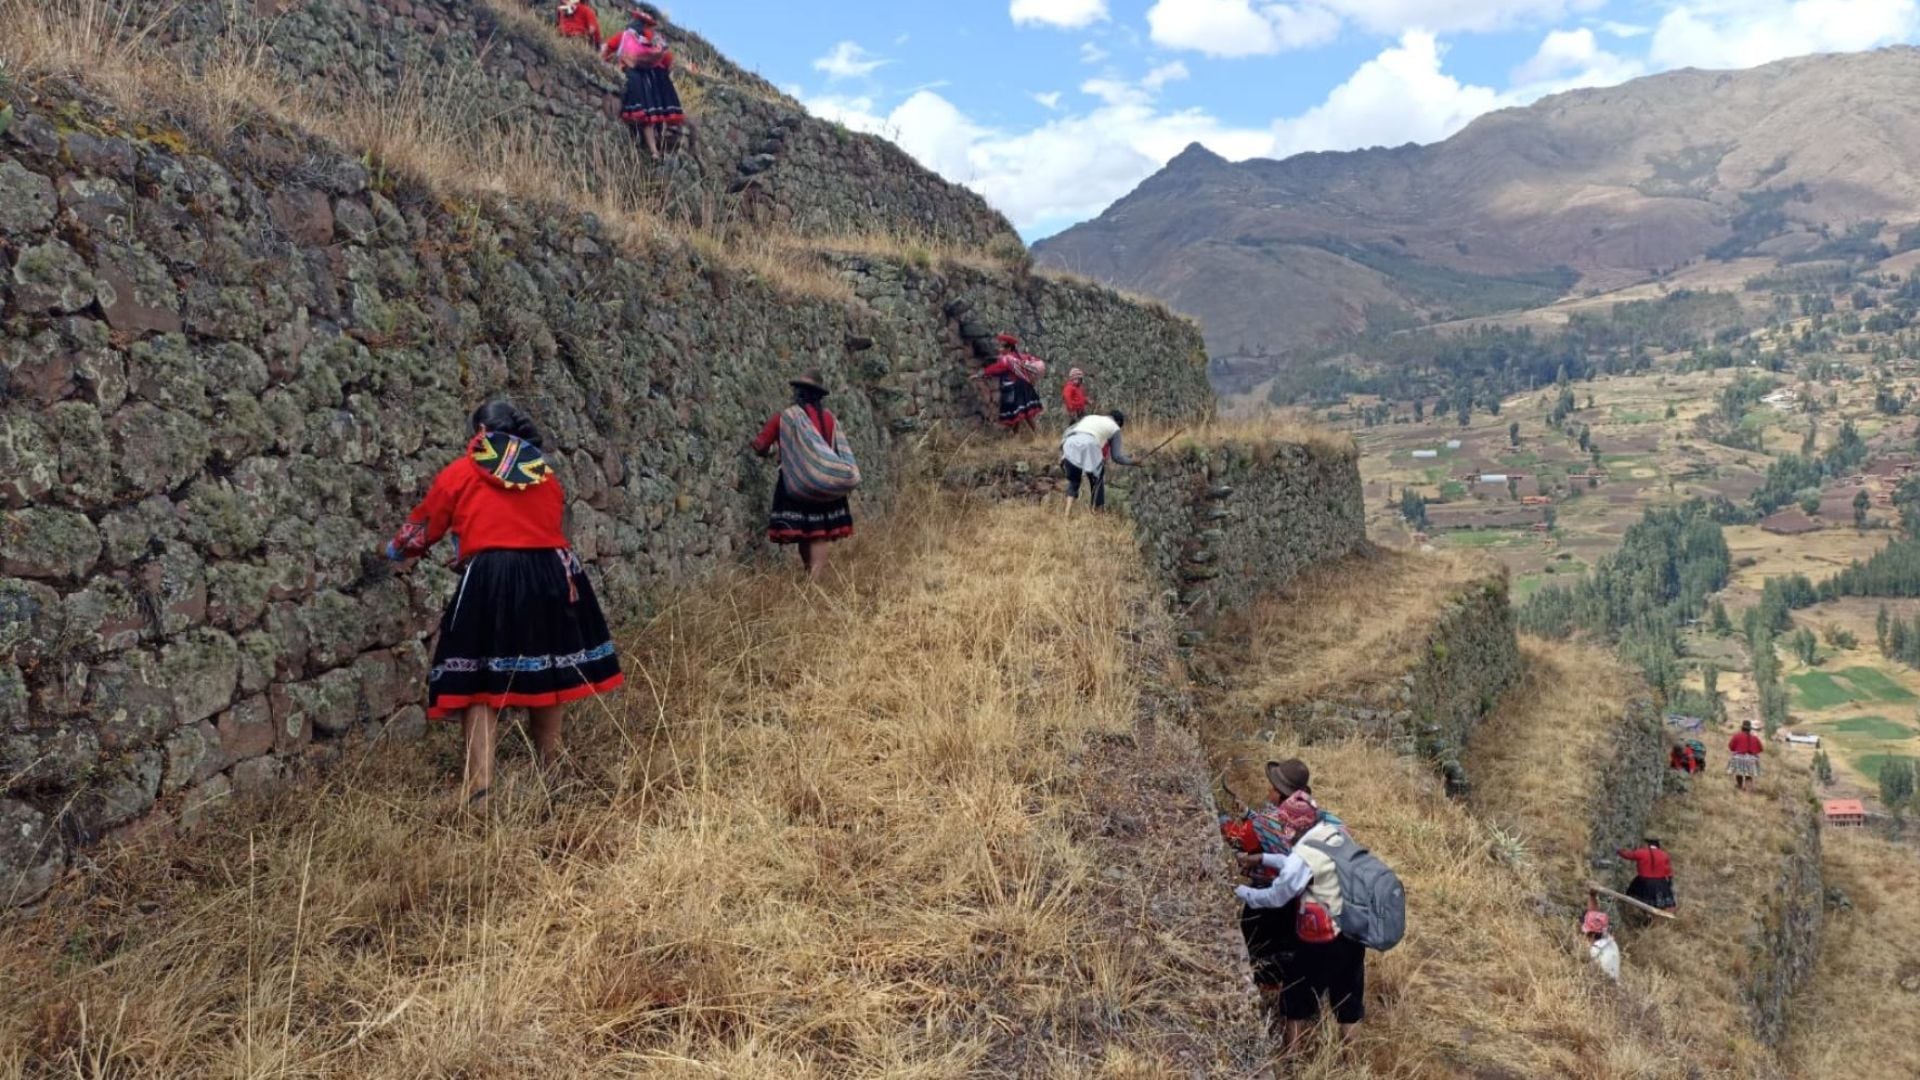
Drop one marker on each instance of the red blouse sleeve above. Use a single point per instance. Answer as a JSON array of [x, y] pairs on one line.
[[998, 367], [593, 23], [431, 519], [768, 436]]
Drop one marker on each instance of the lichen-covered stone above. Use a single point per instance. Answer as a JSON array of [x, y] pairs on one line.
[[106, 616], [193, 757], [123, 788], [204, 668], [130, 701], [27, 202], [33, 623], [59, 759], [31, 855], [52, 277], [48, 544], [157, 449], [246, 730]]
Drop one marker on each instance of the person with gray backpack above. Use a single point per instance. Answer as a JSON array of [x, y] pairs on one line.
[[1348, 902]]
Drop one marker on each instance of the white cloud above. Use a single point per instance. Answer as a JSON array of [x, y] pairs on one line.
[[1234, 28], [1092, 54], [1399, 96], [848, 60], [1164, 74], [1066, 14], [1049, 100], [1743, 33], [1624, 30], [1570, 58], [1442, 16]]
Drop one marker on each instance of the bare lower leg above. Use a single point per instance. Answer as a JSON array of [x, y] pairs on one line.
[[652, 137], [482, 727], [1297, 1035], [818, 565], [546, 724]]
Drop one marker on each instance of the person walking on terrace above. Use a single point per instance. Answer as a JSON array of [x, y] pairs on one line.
[[1084, 454], [523, 629], [1745, 749], [1019, 401], [1074, 396], [577, 19], [650, 105], [817, 473], [1653, 875]]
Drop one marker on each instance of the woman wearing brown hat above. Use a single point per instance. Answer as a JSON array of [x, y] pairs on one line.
[[817, 472]]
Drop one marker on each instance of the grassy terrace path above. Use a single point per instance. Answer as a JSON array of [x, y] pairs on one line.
[[905, 826]]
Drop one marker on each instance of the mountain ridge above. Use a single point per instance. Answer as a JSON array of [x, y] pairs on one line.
[[1597, 188]]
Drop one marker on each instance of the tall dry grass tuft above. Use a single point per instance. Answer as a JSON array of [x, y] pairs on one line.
[[826, 832]]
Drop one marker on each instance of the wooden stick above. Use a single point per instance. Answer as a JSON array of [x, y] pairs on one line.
[[1163, 445], [1625, 899]]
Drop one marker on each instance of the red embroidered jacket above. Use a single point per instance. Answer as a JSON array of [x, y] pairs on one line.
[[510, 501]]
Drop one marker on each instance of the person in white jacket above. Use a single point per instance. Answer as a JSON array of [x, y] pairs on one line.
[[1602, 950], [1085, 451]]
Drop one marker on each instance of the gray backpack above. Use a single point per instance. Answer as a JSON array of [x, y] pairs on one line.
[[1372, 906]]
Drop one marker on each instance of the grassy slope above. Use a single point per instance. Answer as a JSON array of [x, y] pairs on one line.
[[1533, 762], [1857, 1021], [838, 833]]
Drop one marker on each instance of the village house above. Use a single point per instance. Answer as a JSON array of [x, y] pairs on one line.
[[1846, 812]]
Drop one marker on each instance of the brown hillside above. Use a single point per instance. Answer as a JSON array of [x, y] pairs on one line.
[[1602, 187]]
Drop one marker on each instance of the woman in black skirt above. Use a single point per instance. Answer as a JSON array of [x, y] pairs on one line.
[[523, 629], [809, 525], [650, 104]]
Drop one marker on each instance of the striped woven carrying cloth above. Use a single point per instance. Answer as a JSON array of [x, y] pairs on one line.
[[813, 470]]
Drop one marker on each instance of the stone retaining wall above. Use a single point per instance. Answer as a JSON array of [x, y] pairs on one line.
[[1225, 523], [230, 370], [766, 159], [1632, 776], [1784, 943], [1429, 707]]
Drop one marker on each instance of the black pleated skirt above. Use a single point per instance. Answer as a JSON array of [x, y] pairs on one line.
[[793, 520], [523, 630], [1019, 402], [651, 99]]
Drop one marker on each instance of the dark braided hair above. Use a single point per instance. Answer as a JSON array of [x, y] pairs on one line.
[[505, 418]]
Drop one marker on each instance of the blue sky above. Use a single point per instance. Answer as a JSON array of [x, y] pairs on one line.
[[1052, 109]]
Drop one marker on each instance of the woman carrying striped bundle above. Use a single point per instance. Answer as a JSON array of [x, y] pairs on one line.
[[817, 474]]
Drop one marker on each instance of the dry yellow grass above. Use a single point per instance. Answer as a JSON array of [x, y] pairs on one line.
[[1857, 1021], [1726, 849], [420, 134], [825, 833], [1328, 637], [1481, 987], [1536, 761]]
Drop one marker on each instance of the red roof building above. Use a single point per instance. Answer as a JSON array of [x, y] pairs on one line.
[[1846, 812]]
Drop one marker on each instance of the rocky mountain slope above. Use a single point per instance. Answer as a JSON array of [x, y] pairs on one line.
[[1583, 190]]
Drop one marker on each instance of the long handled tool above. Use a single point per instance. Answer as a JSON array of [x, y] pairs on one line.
[[1163, 445], [1625, 899]]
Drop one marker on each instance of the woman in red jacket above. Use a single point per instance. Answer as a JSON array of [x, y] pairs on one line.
[[576, 19], [1652, 875], [523, 628], [1745, 749], [1017, 372]]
